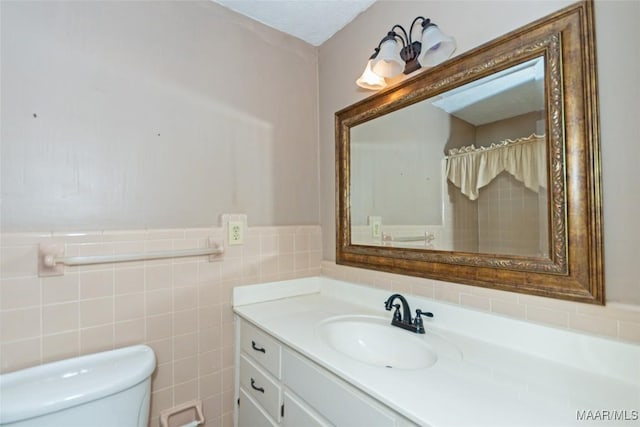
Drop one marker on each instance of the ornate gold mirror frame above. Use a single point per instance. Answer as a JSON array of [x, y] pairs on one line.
[[573, 270]]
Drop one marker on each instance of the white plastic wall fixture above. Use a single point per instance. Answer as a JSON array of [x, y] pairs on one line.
[[47, 254], [51, 259], [195, 404]]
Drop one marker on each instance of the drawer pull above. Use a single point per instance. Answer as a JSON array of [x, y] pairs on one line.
[[256, 348], [253, 386]]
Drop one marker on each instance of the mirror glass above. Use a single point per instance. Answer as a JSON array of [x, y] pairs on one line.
[[465, 170]]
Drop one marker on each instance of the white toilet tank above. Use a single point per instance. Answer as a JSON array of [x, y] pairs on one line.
[[109, 389]]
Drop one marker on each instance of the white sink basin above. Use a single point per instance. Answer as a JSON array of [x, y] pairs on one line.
[[372, 340]]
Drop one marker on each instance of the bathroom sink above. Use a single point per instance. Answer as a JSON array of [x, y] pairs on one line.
[[372, 340]]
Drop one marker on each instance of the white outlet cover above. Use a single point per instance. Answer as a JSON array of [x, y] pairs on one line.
[[236, 232], [375, 222]]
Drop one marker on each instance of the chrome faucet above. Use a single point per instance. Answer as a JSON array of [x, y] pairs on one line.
[[404, 320]]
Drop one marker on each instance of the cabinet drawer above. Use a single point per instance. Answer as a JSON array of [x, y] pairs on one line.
[[250, 414], [260, 387], [340, 403], [261, 347]]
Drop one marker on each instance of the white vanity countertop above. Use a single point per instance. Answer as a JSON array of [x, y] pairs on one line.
[[511, 373]]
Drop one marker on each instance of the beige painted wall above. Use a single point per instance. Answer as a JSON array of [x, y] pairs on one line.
[[150, 119], [342, 59], [395, 170], [512, 128], [119, 115]]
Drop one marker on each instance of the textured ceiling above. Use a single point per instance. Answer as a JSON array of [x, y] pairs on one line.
[[313, 21]]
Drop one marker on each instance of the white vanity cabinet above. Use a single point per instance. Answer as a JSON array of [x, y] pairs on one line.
[[276, 386]]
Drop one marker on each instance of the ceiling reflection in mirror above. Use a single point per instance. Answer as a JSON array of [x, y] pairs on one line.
[[463, 171]]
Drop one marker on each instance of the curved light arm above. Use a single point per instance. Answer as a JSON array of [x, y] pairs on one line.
[[405, 39], [425, 22]]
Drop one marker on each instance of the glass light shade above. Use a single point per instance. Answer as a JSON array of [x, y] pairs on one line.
[[370, 80], [388, 62], [436, 46]]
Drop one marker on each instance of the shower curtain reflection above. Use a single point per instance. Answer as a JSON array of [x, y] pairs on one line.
[[498, 198]]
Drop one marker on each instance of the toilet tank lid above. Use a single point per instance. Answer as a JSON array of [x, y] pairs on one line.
[[60, 385]]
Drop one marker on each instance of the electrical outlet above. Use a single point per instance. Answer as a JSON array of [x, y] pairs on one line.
[[236, 232], [375, 222]]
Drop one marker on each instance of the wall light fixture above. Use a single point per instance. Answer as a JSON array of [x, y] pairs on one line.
[[388, 60]]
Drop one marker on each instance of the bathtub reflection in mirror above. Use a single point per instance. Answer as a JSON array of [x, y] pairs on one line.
[[463, 171]]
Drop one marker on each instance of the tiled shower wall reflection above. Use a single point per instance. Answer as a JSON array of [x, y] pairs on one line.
[[512, 219], [180, 307], [507, 218]]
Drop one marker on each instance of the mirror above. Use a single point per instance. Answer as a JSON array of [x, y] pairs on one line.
[[462, 171], [483, 170]]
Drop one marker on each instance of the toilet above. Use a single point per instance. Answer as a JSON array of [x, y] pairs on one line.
[[106, 389]]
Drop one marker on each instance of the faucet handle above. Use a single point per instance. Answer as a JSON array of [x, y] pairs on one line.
[[419, 312], [418, 323], [396, 314]]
